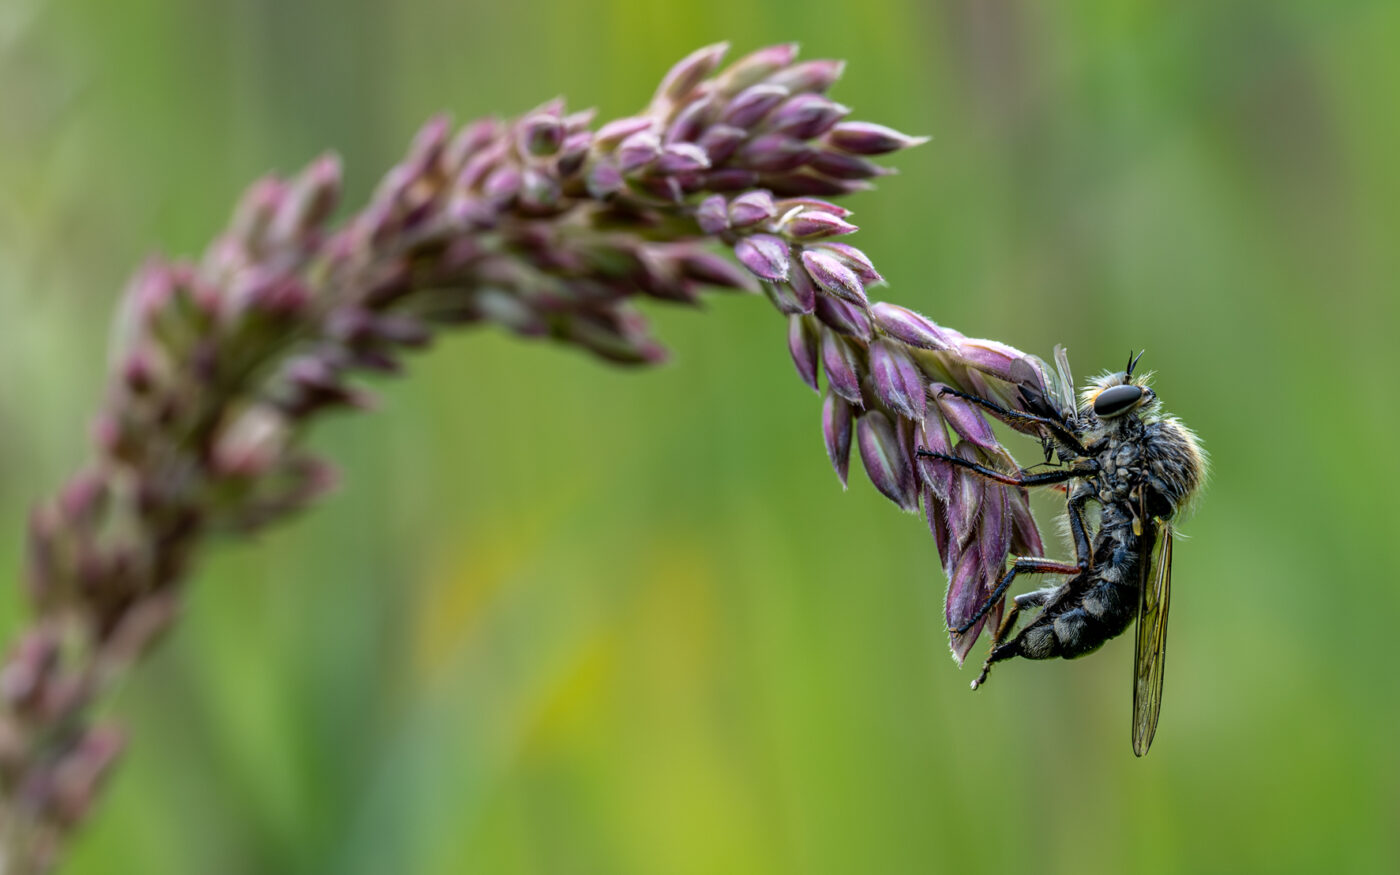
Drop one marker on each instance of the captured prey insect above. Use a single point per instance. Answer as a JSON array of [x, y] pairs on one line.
[[1140, 466]]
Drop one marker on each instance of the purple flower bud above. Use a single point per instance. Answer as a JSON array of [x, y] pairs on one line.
[[689, 72], [579, 122], [773, 153], [965, 596], [539, 135], [309, 201], [256, 440], [78, 776], [839, 165], [1025, 536], [729, 179], [886, 463], [814, 224], [720, 142], [899, 383], [804, 342], [538, 190], [618, 336], [803, 182], [712, 215], [473, 173], [666, 188], [469, 140], [509, 311], [637, 151], [789, 204], [836, 431], [614, 132], [755, 67], [714, 270], [604, 180], [845, 318], [573, 153], [682, 158], [256, 210], [803, 290], [765, 255], [277, 296], [854, 259], [502, 184], [991, 357], [752, 104], [554, 106], [965, 419], [994, 529], [809, 75], [965, 503], [933, 436], [402, 329], [428, 144], [842, 367], [469, 213], [834, 276], [804, 116], [690, 122], [936, 512], [29, 667], [868, 138], [786, 299], [751, 208], [909, 327], [139, 371]]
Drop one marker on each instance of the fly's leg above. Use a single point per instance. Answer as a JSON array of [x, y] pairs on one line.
[[1024, 565], [1046, 478], [1037, 565], [1037, 599], [1055, 427]]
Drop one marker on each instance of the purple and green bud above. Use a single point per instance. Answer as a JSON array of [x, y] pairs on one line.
[[885, 459], [842, 366], [816, 225], [832, 274], [540, 136], [899, 383], [845, 318], [751, 208], [817, 76], [867, 138], [837, 416], [805, 116], [765, 256]]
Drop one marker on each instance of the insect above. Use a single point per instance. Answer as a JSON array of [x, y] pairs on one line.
[[1119, 452]]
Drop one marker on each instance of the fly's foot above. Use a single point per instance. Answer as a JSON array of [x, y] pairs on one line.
[[982, 678]]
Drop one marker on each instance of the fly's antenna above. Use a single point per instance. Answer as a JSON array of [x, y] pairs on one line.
[[1132, 362]]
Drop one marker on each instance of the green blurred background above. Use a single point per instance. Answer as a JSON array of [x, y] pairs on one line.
[[564, 618]]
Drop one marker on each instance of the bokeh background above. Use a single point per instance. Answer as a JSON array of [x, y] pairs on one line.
[[564, 618]]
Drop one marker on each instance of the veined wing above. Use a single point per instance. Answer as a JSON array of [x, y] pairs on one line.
[[1154, 601], [1064, 389]]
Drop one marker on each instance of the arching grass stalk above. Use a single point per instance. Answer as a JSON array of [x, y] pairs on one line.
[[545, 225]]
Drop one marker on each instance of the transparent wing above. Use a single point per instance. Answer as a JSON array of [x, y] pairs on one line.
[[1065, 388], [1154, 600]]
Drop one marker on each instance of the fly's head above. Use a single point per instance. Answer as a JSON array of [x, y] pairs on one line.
[[1119, 397]]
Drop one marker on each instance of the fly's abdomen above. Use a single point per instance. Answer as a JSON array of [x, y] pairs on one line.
[[1078, 625]]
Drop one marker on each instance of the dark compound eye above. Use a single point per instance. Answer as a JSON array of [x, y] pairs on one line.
[[1115, 400]]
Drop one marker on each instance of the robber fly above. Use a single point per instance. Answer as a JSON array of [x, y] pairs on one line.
[[1140, 466]]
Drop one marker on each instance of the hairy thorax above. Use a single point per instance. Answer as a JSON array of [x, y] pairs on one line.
[[1158, 456]]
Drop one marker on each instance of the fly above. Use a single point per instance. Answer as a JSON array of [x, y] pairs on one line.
[[1116, 449]]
